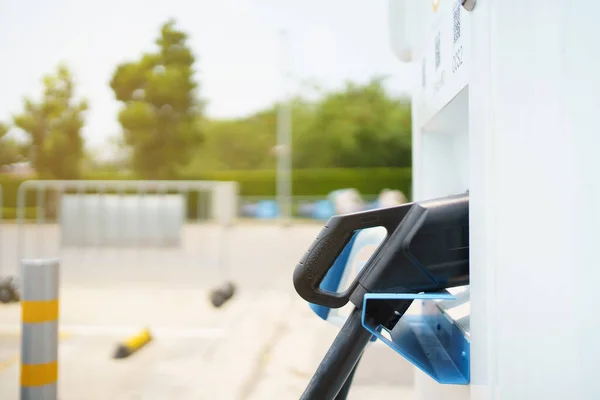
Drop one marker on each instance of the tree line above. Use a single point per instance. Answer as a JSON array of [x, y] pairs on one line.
[[166, 133]]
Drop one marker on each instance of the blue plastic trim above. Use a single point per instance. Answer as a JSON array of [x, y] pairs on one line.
[[333, 278], [430, 341]]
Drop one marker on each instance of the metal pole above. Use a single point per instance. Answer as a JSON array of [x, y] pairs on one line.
[[40, 218], [21, 192], [1, 215], [284, 134], [39, 343]]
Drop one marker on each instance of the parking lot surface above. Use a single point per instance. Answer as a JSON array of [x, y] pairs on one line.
[[265, 343]]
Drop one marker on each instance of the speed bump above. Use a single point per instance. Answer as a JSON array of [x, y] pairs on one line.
[[133, 344]]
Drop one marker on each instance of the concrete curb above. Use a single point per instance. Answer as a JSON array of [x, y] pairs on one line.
[[133, 344]]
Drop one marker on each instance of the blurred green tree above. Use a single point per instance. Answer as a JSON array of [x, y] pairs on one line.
[[10, 151], [359, 126], [240, 143], [160, 107], [53, 126]]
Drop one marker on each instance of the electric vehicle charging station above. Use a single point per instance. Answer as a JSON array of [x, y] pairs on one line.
[[435, 37], [505, 107]]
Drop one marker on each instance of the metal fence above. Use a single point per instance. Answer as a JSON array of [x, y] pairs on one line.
[[125, 227]]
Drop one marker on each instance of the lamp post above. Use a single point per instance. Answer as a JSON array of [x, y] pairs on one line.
[[284, 135]]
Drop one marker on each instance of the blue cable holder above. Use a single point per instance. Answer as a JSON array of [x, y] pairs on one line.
[[431, 341]]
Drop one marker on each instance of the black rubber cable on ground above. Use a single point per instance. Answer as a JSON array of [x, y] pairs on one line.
[[340, 361]]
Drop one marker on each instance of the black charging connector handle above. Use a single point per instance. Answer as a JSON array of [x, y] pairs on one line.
[[426, 249], [328, 245]]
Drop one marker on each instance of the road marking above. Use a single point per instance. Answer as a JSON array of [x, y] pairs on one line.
[[6, 364], [123, 330]]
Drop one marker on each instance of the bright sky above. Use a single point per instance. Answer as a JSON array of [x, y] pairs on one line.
[[236, 42]]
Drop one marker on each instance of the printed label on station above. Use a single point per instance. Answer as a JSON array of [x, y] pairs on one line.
[[444, 62]]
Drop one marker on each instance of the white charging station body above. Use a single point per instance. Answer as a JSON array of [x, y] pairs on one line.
[[506, 106]]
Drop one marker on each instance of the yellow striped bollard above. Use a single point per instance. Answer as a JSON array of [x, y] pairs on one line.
[[39, 343]]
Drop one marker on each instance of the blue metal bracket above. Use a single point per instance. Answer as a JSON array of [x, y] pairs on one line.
[[431, 341]]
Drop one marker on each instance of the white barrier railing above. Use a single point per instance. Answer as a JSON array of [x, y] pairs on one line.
[[137, 222], [122, 220]]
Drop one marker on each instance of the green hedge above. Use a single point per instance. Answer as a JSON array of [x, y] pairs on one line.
[[10, 213], [305, 182], [315, 182], [10, 187], [197, 202]]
